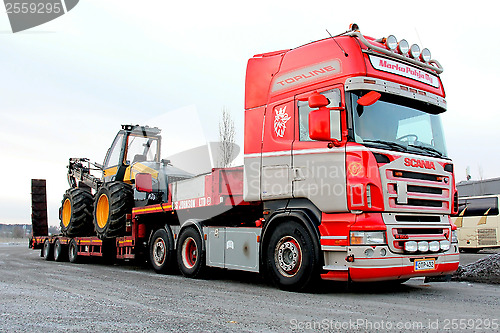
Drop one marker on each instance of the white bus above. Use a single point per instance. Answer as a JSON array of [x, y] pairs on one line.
[[478, 223]]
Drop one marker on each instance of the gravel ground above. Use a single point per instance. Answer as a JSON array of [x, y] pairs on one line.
[[485, 270], [41, 296]]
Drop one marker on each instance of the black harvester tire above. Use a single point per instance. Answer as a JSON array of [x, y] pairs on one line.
[[113, 202], [76, 213]]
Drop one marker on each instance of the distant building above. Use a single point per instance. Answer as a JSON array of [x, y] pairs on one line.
[[470, 188]]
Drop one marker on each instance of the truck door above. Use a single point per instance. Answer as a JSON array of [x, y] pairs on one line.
[[276, 182], [318, 172]]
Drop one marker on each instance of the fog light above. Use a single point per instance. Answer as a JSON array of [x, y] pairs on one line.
[[383, 252], [369, 252], [403, 47], [434, 246], [415, 51], [445, 245], [391, 42], [423, 246], [425, 55], [411, 246]]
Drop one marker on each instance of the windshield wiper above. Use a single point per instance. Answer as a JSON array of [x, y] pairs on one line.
[[388, 143], [429, 149]]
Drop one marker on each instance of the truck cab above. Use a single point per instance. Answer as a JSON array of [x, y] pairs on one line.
[[349, 126]]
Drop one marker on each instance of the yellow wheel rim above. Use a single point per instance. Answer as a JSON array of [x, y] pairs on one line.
[[66, 212], [102, 211]]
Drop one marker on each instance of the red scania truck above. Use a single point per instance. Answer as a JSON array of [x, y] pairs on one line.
[[346, 177]]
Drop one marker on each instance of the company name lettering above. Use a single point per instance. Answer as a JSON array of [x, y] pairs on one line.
[[406, 70], [419, 163], [190, 203]]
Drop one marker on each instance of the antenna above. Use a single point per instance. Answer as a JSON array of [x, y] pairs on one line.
[[332, 37]]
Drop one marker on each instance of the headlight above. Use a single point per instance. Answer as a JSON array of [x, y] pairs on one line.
[[367, 237], [411, 246], [454, 236], [445, 245]]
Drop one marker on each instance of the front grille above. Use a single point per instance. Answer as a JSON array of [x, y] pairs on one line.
[[417, 175], [418, 218], [424, 189], [422, 203]]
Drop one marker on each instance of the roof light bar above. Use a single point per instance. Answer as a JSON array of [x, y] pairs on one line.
[[400, 51]]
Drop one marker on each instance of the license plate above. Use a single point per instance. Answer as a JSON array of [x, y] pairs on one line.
[[424, 264]]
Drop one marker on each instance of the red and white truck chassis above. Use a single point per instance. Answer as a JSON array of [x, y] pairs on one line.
[[345, 176]]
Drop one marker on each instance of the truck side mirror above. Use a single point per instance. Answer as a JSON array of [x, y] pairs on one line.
[[144, 182], [324, 124], [317, 100], [369, 99]]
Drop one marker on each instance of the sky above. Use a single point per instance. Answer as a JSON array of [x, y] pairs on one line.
[[67, 85]]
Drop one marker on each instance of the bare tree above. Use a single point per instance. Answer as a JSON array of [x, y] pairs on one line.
[[226, 138]]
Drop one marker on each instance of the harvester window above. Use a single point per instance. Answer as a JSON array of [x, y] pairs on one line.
[[304, 109], [141, 149], [113, 156]]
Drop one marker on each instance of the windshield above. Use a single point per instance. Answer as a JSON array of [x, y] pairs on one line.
[[397, 123]]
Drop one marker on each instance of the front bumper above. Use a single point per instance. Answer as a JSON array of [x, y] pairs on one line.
[[378, 263]]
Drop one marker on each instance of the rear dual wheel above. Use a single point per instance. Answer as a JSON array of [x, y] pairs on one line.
[[161, 251], [60, 251], [190, 254]]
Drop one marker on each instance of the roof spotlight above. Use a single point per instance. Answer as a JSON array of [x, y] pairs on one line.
[[425, 55], [391, 43], [415, 51], [403, 47]]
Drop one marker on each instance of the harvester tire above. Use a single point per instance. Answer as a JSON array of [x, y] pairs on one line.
[[76, 213], [113, 202]]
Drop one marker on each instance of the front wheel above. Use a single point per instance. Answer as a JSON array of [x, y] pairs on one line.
[[190, 256], [291, 261], [161, 251]]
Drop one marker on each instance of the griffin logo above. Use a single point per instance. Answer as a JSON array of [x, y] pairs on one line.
[[280, 120]]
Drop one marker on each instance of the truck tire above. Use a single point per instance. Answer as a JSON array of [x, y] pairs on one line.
[[60, 251], [73, 251], [47, 250], [161, 251], [290, 259], [113, 202], [190, 254], [76, 213]]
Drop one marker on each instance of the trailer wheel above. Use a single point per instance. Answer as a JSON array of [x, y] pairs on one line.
[[47, 250], [76, 213], [190, 256], [161, 251], [290, 259], [113, 202], [59, 251], [73, 251]]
